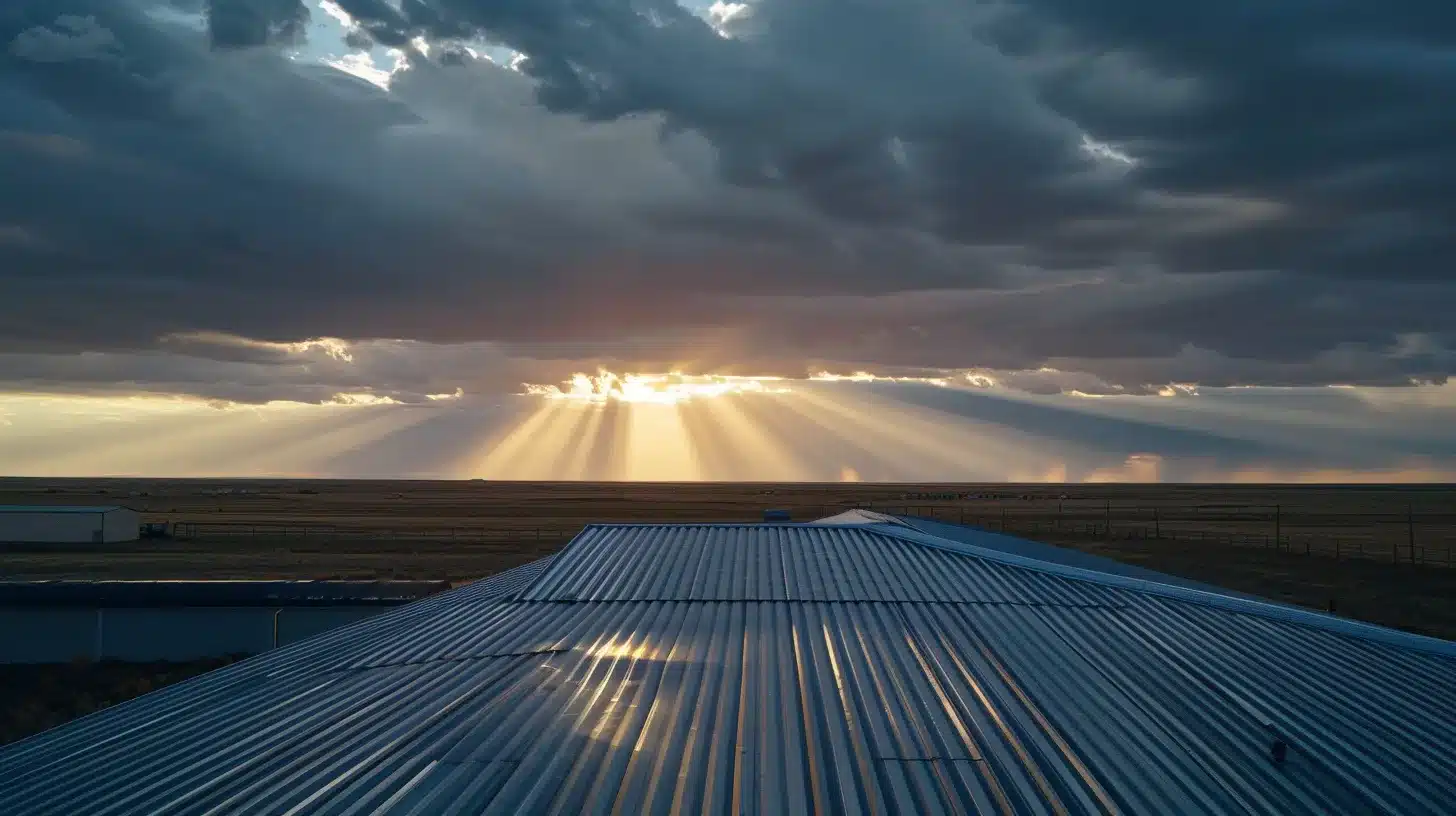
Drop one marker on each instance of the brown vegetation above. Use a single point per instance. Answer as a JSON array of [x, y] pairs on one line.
[[1279, 541]]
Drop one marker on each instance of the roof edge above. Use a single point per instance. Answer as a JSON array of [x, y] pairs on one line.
[[1230, 603]]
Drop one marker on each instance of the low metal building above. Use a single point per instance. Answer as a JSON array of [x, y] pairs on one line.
[[63, 524], [144, 621], [862, 667]]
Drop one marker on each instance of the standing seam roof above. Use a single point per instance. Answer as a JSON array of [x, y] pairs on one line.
[[855, 672]]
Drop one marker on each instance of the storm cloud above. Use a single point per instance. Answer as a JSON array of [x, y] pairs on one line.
[[470, 193]]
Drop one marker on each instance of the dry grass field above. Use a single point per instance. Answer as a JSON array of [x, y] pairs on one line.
[[1376, 553]]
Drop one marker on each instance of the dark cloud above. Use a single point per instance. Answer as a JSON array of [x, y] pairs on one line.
[[379, 21], [69, 38], [246, 23], [1328, 109], [1239, 193], [889, 113], [220, 367]]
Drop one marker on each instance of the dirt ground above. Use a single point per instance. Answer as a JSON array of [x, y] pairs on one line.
[[1250, 538]]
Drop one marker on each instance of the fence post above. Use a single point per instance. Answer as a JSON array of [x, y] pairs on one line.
[[1109, 520], [1278, 512], [1410, 528], [1003, 518], [1157, 526]]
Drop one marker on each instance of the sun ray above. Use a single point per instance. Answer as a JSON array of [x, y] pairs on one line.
[[718, 458], [665, 452], [827, 445], [772, 455], [961, 454], [620, 442], [573, 462], [602, 444], [203, 441], [514, 442], [307, 447]]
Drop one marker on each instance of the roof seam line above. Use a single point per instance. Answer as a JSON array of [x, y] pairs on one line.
[[435, 661], [839, 602], [928, 759]]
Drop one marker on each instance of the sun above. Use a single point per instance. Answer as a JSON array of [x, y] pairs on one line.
[[662, 389]]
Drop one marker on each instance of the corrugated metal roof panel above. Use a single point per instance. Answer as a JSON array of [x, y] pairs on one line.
[[1111, 693], [509, 582], [478, 702], [787, 563], [1046, 552]]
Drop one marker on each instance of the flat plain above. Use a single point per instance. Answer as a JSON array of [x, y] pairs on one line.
[[1379, 553]]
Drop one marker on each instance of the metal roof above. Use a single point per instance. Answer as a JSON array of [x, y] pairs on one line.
[[1046, 552], [783, 668], [119, 594], [58, 508]]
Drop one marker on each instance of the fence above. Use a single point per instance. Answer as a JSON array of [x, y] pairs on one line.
[[328, 534], [1425, 539]]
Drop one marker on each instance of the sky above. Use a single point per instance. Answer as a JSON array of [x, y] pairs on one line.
[[1031, 239]]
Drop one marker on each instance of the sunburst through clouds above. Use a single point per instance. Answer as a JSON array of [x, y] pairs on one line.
[[680, 426], [662, 389], [683, 427]]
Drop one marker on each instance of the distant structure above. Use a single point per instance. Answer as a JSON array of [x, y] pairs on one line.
[[861, 665], [41, 524]]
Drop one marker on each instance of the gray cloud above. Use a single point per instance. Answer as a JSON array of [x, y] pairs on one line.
[[244, 23], [238, 370], [1328, 110], [905, 186], [69, 38]]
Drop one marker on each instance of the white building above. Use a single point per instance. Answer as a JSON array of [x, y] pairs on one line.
[[37, 524]]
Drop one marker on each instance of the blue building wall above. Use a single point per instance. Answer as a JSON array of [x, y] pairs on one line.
[[55, 635]]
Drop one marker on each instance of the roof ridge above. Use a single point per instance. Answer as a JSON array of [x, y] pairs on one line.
[[1228, 603]]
